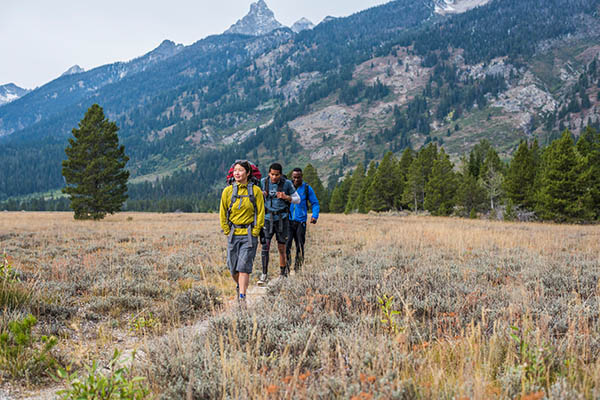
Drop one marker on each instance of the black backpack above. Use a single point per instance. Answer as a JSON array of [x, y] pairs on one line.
[[280, 186]]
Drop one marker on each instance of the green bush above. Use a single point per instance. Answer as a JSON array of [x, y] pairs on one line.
[[117, 384], [12, 292], [24, 356]]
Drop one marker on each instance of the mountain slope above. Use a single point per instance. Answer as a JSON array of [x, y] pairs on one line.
[[347, 90]]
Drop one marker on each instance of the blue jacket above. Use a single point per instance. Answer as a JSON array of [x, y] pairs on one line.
[[299, 212]]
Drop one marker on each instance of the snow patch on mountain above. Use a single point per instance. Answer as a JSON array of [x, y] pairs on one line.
[[10, 92], [75, 69], [302, 24], [457, 6]]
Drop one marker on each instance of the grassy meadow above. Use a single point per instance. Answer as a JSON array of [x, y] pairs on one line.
[[386, 306]]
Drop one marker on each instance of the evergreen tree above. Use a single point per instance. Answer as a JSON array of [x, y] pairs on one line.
[[339, 196], [491, 177], [337, 204], [470, 196], [478, 156], [358, 178], [588, 147], [311, 176], [403, 165], [384, 191], [414, 192], [561, 197], [520, 177], [492, 160], [364, 204], [95, 167], [428, 155], [440, 190]]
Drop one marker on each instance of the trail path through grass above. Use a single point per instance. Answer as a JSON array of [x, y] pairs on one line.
[[135, 345]]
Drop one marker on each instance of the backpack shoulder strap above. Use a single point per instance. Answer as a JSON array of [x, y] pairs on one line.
[[281, 184], [252, 200], [306, 195], [234, 197]]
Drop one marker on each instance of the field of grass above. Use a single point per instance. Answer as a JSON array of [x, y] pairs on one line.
[[385, 307]]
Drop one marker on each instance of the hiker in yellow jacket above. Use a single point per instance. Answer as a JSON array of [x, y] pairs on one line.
[[242, 215]]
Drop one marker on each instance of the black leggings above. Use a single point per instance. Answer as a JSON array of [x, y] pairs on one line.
[[297, 233]]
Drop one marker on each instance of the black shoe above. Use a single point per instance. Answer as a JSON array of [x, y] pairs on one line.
[[285, 271]]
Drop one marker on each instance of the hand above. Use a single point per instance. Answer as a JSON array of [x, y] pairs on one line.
[[265, 193], [281, 195], [313, 220]]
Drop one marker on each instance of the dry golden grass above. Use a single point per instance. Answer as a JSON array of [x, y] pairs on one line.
[[479, 302]]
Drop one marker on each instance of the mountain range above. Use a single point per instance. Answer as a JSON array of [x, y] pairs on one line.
[[347, 90]]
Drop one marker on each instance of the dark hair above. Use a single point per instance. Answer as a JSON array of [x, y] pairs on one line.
[[246, 166], [297, 170], [276, 167]]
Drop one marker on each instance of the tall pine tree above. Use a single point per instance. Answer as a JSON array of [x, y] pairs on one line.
[[339, 196], [358, 178], [95, 167], [404, 164], [414, 191], [520, 177], [364, 205], [386, 188], [588, 147], [470, 196], [562, 198], [441, 188]]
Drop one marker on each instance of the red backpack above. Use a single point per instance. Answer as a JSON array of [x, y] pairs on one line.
[[255, 177]]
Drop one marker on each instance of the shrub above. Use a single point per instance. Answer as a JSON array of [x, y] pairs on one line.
[[12, 293], [197, 301], [119, 383], [22, 355]]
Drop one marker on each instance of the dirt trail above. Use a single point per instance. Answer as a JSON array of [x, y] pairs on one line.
[[137, 345]]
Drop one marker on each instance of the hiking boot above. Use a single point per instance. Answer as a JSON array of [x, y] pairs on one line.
[[285, 271], [263, 279]]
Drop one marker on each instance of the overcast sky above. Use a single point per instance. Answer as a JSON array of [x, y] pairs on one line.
[[40, 39]]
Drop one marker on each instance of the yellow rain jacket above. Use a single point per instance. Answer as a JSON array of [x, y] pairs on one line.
[[243, 215]]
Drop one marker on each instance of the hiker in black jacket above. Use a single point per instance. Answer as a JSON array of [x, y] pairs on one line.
[[279, 194]]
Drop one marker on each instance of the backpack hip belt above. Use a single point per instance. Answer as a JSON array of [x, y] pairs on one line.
[[233, 227], [272, 220]]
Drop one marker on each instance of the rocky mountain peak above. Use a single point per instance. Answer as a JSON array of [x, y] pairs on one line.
[[75, 69], [259, 21], [10, 92], [302, 24]]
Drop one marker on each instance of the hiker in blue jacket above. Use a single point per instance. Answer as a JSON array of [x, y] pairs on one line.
[[279, 193], [298, 217]]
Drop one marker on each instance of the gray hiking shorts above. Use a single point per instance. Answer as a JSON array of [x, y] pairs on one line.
[[240, 253]]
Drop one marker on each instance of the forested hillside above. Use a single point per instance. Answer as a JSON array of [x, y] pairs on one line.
[[389, 78]]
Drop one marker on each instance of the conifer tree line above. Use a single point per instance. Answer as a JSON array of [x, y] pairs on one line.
[[560, 182]]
